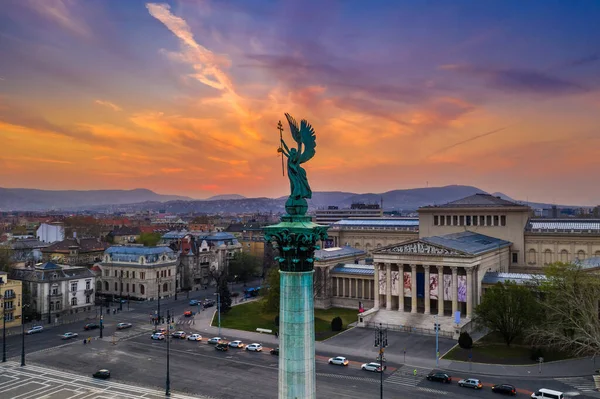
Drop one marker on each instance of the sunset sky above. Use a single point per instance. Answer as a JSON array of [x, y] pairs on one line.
[[184, 97]]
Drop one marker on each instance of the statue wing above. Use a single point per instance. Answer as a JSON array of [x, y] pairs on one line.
[[294, 129], [308, 139]]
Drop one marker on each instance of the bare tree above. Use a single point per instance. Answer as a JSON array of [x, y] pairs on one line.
[[569, 296]]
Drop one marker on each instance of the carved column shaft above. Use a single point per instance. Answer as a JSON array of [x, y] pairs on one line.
[[376, 287], [440, 290], [413, 289], [401, 287], [469, 293], [427, 303], [454, 290], [388, 286]]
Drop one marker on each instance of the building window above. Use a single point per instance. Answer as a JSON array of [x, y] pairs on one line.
[[74, 301], [169, 272], [73, 287], [107, 273], [8, 304], [54, 290], [496, 220], [547, 257], [87, 299], [133, 288], [58, 306], [564, 256], [127, 274], [121, 287], [580, 255], [51, 306], [165, 287], [143, 275], [461, 220], [88, 285], [435, 221], [116, 286], [481, 220], [116, 273], [133, 274], [442, 220], [455, 220], [157, 275], [468, 220], [475, 220], [142, 289], [531, 257], [503, 220], [127, 287], [9, 316], [515, 257]]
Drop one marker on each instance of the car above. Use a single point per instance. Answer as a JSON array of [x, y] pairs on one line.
[[215, 340], [161, 330], [194, 337], [69, 335], [236, 344], [506, 389], [122, 326], [178, 334], [194, 302], [339, 360], [208, 303], [441, 377], [375, 367], [254, 347], [470, 383], [274, 351], [158, 336], [91, 326], [222, 347], [187, 313], [34, 330], [103, 374]]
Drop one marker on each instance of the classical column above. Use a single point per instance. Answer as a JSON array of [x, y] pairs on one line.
[[413, 289], [454, 290], [364, 289], [376, 287], [440, 290], [401, 287], [469, 292], [388, 286], [427, 304]]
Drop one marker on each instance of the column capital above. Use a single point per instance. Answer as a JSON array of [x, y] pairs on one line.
[[413, 266], [425, 268], [454, 269], [440, 268], [470, 270]]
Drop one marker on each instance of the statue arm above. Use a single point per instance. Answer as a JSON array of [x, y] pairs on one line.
[[284, 148]]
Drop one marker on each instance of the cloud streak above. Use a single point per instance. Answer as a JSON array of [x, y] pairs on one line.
[[108, 104]]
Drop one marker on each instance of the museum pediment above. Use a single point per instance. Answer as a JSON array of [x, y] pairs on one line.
[[419, 248]]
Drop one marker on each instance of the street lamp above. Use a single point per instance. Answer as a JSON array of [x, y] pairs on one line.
[[23, 334], [158, 310], [436, 326], [3, 330], [218, 294], [168, 382], [381, 342], [121, 291]]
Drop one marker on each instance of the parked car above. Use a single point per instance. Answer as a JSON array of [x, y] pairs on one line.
[[208, 303], [194, 302], [178, 334], [194, 337], [91, 326], [375, 367], [222, 347], [187, 313], [506, 389], [339, 360], [254, 347], [441, 377], [69, 335], [34, 330], [215, 340], [274, 351], [122, 326], [158, 336], [103, 374], [236, 344], [470, 383]]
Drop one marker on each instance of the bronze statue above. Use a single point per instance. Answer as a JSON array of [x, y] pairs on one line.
[[305, 136]]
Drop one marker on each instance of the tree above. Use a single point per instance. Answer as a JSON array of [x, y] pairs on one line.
[[569, 298], [508, 309], [149, 239], [5, 259], [465, 341], [271, 303], [337, 324], [225, 296], [243, 266]]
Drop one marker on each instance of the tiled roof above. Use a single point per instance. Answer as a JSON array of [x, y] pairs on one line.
[[467, 242], [365, 270], [477, 200], [391, 222], [519, 278], [28, 244], [589, 263], [337, 252], [135, 250], [126, 231], [56, 273], [563, 225], [83, 244]]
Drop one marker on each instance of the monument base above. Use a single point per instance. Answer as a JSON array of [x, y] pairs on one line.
[[297, 378]]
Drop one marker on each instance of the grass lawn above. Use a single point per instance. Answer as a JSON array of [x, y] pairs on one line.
[[249, 317], [491, 349]]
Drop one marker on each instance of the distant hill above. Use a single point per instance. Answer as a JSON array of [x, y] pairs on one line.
[[225, 197], [41, 200]]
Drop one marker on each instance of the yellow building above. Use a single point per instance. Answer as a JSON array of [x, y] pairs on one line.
[[11, 292]]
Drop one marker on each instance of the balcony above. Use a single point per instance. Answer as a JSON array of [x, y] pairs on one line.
[[10, 295], [89, 291], [56, 294]]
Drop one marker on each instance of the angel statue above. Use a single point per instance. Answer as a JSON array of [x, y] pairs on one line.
[[305, 136]]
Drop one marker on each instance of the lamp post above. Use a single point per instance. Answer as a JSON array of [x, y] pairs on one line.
[[121, 291], [3, 331], [381, 342], [168, 382], [158, 310], [49, 315], [218, 294], [436, 325], [23, 334]]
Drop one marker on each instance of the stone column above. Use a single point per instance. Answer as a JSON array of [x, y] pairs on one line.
[[364, 289], [469, 292], [413, 289], [376, 287], [388, 286], [427, 304], [401, 287], [454, 289], [440, 290]]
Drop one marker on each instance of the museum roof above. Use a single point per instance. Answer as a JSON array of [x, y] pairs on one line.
[[389, 223], [337, 252], [479, 200], [518, 278], [589, 263], [139, 251], [351, 268], [563, 225], [468, 242]]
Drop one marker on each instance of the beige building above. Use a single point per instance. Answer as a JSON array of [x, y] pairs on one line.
[[11, 292]]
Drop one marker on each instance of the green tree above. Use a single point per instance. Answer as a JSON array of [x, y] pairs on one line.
[[271, 303], [508, 309], [5, 259], [569, 298], [149, 239], [337, 324], [243, 267], [225, 296], [465, 341]]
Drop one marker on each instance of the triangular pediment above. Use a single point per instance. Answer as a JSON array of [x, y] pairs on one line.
[[419, 247]]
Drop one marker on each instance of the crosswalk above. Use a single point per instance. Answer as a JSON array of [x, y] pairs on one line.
[[583, 384], [406, 376]]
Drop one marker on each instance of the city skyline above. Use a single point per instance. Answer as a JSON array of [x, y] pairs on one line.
[[184, 97]]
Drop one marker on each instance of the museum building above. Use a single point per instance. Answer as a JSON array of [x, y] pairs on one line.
[[431, 269]]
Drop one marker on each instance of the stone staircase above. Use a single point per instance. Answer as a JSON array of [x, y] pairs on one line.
[[418, 323]]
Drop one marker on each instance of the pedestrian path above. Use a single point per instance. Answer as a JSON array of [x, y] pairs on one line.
[[583, 384], [406, 376]]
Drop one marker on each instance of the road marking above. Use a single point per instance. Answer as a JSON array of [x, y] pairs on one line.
[[581, 383], [406, 377]]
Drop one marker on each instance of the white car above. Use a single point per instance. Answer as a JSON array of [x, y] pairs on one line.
[[470, 383], [122, 326], [236, 344], [339, 360], [178, 334], [215, 340], [375, 367], [158, 336], [69, 335], [194, 337], [254, 347], [35, 329]]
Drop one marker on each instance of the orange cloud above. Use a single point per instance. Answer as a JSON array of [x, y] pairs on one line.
[[108, 104]]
